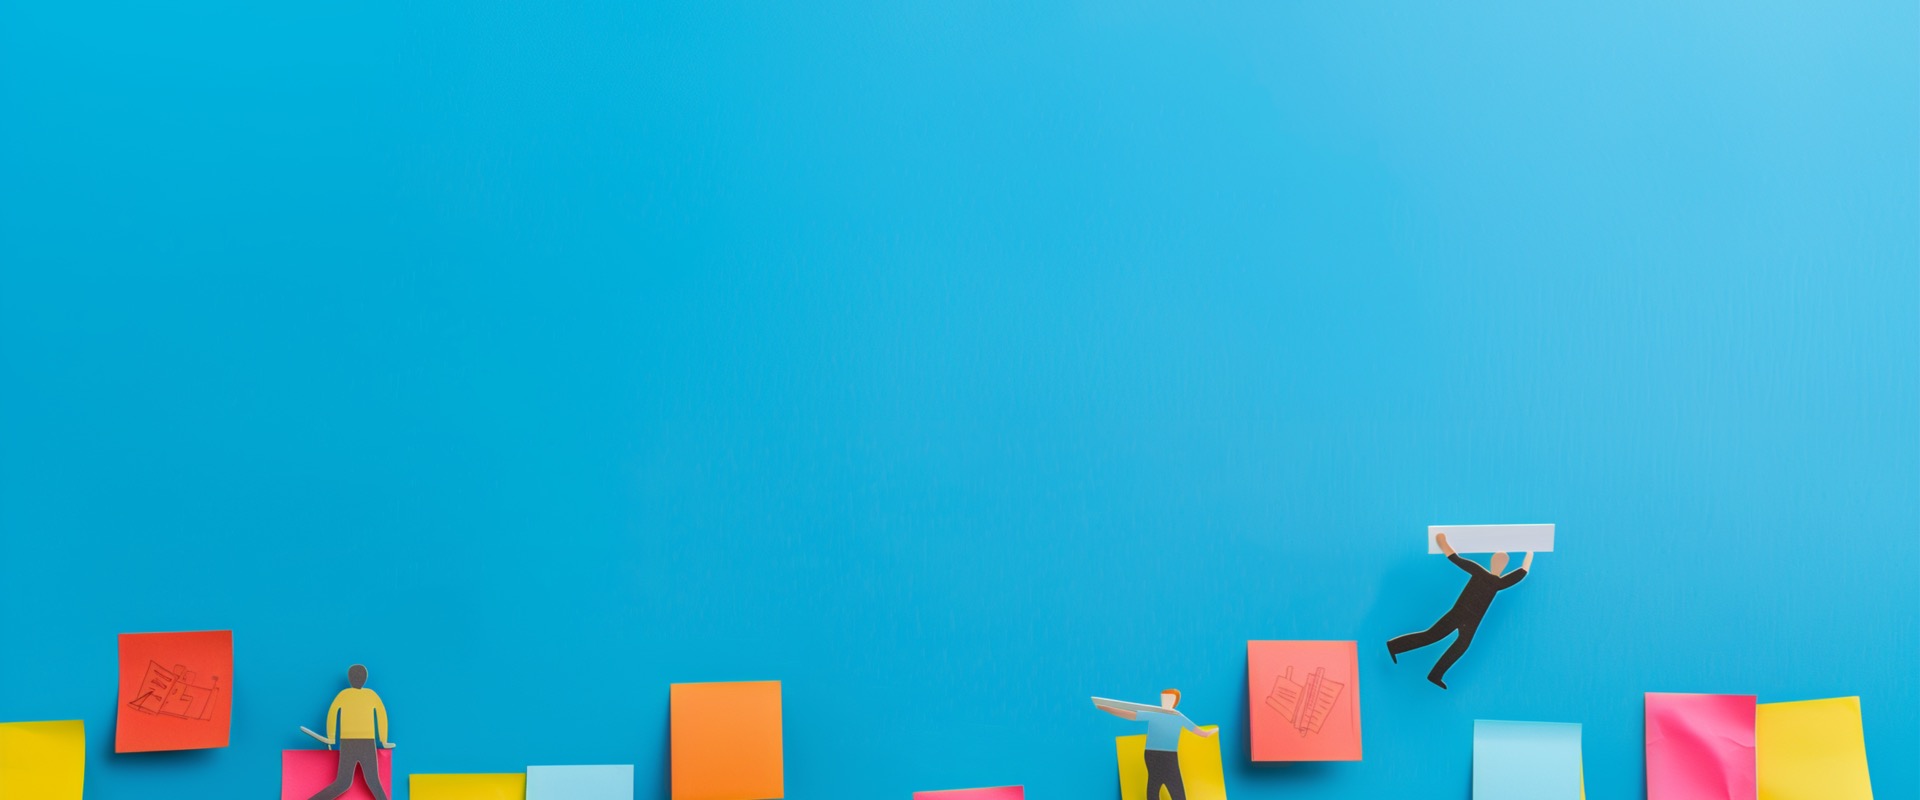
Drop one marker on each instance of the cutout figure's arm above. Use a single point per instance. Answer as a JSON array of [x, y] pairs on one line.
[[1526, 564], [380, 722], [1120, 712], [1466, 564], [1512, 578], [333, 719], [1197, 729], [1441, 539]]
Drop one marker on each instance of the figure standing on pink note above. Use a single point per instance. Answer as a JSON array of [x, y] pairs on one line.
[[1163, 740], [1467, 611], [360, 719]]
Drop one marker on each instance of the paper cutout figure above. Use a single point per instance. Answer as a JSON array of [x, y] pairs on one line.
[[610, 782], [360, 719], [175, 691], [1491, 538], [503, 786], [1812, 750], [304, 773], [43, 760], [1700, 747], [1164, 725], [992, 793], [1527, 761], [1304, 700], [1466, 613], [1200, 770], [726, 741]]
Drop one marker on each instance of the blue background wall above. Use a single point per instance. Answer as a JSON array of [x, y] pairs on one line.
[[951, 364]]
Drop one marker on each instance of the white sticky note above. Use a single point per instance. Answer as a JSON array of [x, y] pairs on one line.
[[1493, 538]]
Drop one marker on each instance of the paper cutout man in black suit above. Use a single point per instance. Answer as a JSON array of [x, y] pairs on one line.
[[1466, 612]]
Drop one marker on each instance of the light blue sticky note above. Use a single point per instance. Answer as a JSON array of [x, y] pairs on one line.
[[1525, 760], [580, 783]]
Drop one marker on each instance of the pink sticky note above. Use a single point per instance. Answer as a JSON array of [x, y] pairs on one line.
[[995, 793], [1700, 747], [304, 772]]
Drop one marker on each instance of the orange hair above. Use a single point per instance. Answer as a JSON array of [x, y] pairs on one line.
[[1176, 695]]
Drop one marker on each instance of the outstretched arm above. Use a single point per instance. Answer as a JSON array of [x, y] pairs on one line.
[[1527, 563], [1441, 539], [1119, 712]]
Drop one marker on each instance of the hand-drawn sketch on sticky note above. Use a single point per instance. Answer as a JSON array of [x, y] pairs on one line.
[[1305, 703], [1467, 611], [173, 693]]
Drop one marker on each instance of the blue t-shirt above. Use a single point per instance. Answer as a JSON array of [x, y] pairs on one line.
[[1163, 728]]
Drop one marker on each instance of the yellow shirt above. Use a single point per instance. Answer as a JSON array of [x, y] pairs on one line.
[[360, 713]]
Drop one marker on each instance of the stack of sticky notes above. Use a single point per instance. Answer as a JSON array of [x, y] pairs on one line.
[[1729, 747]]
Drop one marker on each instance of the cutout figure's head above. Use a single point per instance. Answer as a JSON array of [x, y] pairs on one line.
[[1499, 563], [1169, 698], [357, 676]]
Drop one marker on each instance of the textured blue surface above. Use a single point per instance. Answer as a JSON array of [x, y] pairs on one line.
[[952, 364]]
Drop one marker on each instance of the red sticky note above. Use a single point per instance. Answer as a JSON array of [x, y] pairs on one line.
[[176, 691], [303, 773], [1303, 701]]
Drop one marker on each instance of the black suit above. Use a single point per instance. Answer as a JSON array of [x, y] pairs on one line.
[[1463, 617]]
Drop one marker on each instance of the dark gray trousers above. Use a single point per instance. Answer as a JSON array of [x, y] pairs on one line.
[[362, 753], [1163, 769]]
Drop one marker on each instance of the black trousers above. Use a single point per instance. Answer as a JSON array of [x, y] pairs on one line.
[[1465, 623], [1163, 769], [362, 753]]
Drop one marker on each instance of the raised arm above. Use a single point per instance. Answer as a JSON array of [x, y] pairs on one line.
[[1526, 564], [1441, 539]]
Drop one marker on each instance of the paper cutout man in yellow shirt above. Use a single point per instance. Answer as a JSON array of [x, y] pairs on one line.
[[361, 721]]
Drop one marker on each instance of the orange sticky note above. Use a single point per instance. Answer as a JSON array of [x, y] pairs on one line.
[[176, 691], [726, 741], [1303, 701]]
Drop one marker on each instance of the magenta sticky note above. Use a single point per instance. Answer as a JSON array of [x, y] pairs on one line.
[[994, 793], [305, 772], [1700, 747]]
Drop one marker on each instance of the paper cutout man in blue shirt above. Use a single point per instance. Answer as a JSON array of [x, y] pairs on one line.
[[1163, 741]]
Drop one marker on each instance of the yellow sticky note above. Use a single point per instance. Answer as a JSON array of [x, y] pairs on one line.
[[1199, 766], [1812, 750], [506, 786], [43, 760]]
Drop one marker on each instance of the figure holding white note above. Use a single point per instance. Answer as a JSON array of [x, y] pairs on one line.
[[1482, 585], [1163, 739]]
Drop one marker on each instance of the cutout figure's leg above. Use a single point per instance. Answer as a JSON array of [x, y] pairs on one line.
[[342, 779], [370, 771], [1176, 788], [1454, 652], [1163, 769], [1415, 641]]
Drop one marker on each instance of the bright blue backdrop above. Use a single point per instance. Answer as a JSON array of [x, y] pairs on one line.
[[952, 363]]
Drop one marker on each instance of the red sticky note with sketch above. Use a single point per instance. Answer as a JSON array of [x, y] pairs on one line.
[[176, 691], [1303, 701]]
